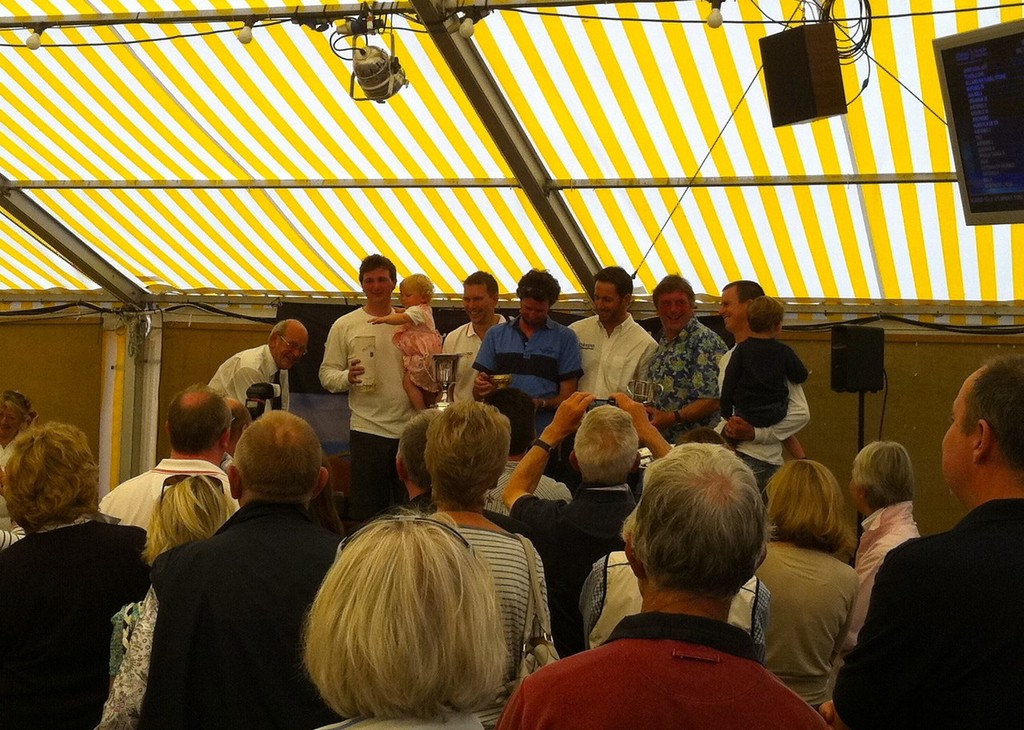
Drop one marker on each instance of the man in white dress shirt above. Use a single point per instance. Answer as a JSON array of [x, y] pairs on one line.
[[760, 448], [287, 343], [615, 349], [479, 299]]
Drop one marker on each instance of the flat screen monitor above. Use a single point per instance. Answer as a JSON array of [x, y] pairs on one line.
[[982, 77]]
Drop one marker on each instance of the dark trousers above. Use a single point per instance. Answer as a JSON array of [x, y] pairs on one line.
[[375, 482]]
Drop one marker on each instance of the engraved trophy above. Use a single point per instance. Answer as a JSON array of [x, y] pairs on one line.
[[445, 368], [644, 391]]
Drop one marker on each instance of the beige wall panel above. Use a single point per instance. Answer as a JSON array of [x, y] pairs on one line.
[[925, 372], [57, 364]]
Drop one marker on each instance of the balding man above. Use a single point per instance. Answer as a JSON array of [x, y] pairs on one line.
[[942, 644], [267, 363], [199, 427], [227, 650], [695, 538]]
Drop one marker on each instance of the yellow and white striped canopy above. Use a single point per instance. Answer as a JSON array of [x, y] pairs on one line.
[[164, 157]]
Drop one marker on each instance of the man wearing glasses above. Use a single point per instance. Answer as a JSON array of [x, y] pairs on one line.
[[267, 363]]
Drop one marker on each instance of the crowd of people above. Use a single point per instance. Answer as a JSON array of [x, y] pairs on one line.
[[585, 538]]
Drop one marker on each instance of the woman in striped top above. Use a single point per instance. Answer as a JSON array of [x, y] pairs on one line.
[[467, 446]]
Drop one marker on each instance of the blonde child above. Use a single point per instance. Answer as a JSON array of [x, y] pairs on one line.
[[754, 386], [417, 338]]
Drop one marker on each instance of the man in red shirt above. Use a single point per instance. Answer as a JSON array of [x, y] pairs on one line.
[[695, 538]]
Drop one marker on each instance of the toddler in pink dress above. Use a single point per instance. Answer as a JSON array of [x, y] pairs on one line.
[[417, 338]]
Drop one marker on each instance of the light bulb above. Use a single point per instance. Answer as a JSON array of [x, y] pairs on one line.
[[33, 41], [466, 28], [715, 18], [245, 35]]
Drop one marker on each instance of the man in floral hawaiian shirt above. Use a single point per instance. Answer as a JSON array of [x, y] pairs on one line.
[[685, 363]]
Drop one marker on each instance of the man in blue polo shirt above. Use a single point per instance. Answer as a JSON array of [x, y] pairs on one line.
[[542, 355]]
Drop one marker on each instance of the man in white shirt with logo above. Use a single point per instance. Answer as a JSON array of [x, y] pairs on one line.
[[615, 349], [479, 299]]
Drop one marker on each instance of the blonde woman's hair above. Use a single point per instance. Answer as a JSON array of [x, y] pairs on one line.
[[51, 477], [467, 447], [807, 508], [406, 624], [192, 509], [419, 283]]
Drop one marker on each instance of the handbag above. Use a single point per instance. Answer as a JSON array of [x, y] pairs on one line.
[[537, 649]]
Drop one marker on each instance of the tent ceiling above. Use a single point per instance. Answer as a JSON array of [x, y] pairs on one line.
[[557, 137]]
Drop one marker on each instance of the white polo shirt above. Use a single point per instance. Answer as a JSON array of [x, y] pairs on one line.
[[464, 341], [133, 501]]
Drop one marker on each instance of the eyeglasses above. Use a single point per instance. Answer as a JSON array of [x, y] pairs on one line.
[[205, 480], [421, 519], [294, 346]]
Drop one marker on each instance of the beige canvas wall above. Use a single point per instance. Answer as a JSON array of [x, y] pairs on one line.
[[57, 364], [924, 374]]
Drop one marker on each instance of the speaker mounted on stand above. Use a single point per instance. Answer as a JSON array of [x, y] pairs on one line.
[[858, 365]]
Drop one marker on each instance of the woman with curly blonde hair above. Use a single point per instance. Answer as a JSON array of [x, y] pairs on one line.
[[60, 584], [813, 592]]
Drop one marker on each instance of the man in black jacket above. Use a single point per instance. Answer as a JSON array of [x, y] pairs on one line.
[[227, 650]]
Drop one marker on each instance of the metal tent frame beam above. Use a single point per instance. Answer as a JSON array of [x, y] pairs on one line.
[[67, 245], [472, 74]]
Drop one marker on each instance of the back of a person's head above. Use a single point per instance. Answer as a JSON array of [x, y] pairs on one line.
[[467, 447], [190, 508], [196, 419], [884, 471], [322, 508], [807, 508], [702, 435], [997, 397], [278, 458], [241, 419], [406, 624], [519, 409], [606, 446], [700, 526], [745, 289], [412, 447], [764, 314], [51, 477]]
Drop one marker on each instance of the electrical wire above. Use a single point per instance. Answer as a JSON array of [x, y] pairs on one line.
[[140, 41]]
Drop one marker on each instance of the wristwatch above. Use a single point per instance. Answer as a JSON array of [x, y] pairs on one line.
[[541, 444]]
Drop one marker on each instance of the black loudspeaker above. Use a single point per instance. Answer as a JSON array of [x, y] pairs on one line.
[[802, 74], [858, 358]]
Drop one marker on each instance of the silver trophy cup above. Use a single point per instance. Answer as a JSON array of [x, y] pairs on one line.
[[644, 391], [445, 368]]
